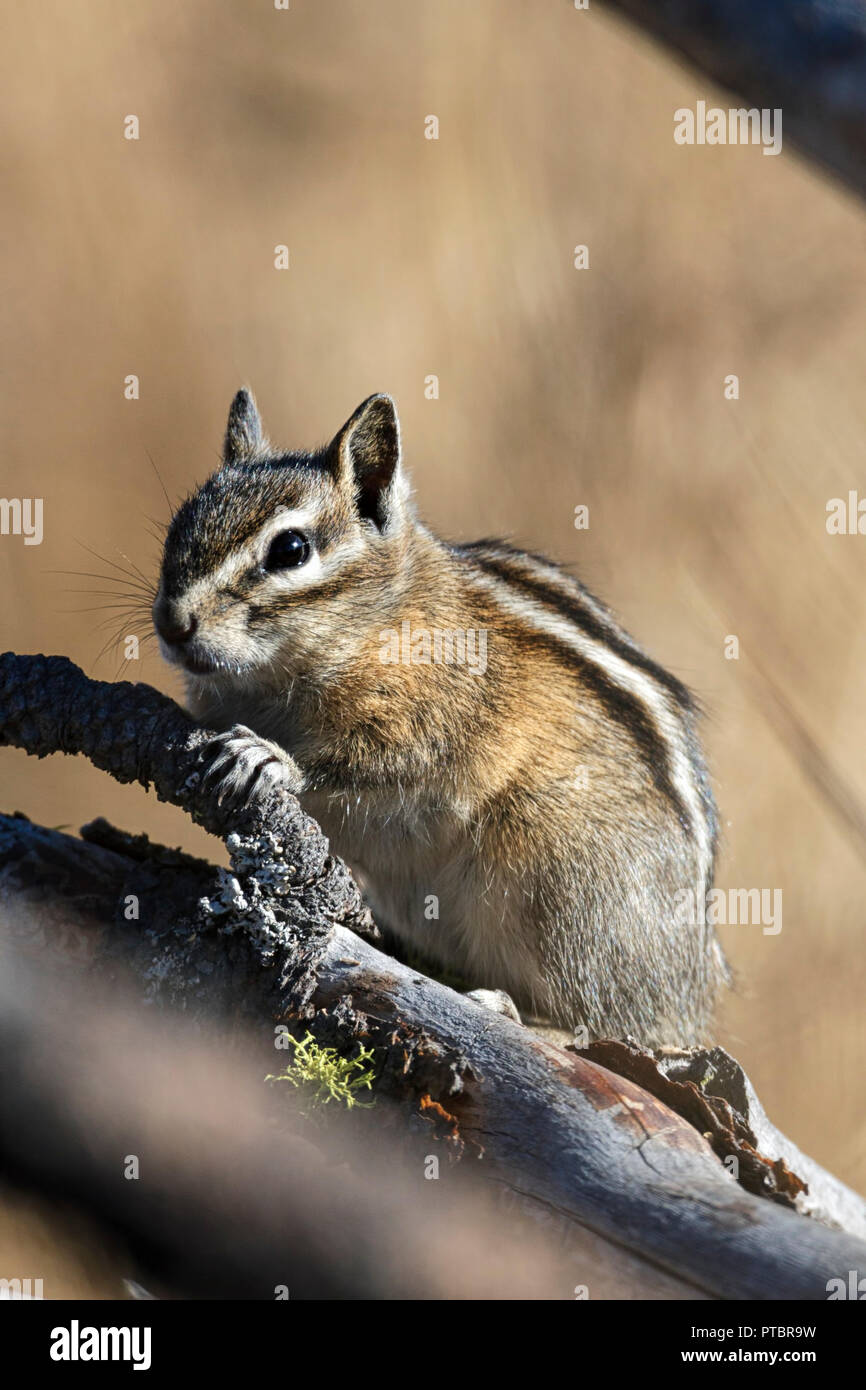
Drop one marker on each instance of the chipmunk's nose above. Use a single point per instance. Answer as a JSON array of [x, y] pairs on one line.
[[171, 627]]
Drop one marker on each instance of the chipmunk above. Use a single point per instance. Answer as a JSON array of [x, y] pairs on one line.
[[529, 820]]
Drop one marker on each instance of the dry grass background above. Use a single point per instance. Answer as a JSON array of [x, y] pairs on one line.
[[558, 387]]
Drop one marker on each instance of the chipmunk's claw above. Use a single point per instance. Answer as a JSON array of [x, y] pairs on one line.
[[243, 764]]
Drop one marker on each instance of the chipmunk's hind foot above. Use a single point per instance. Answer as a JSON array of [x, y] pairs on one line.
[[497, 1001]]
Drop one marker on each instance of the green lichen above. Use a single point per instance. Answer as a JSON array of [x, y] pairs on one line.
[[325, 1076]]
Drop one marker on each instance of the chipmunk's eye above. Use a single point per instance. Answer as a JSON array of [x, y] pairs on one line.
[[287, 550]]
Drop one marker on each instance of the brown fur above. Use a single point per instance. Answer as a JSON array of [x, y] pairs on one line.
[[537, 807]]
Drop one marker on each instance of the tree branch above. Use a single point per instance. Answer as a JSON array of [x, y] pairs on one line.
[[809, 59], [276, 940]]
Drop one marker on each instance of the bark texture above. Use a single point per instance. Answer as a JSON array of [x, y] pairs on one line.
[[614, 1142]]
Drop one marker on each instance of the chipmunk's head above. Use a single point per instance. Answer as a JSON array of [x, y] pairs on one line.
[[271, 568]]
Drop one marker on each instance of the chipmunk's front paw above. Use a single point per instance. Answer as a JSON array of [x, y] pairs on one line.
[[243, 763]]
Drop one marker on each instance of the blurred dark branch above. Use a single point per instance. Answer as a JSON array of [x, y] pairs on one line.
[[275, 940], [234, 1197], [807, 57]]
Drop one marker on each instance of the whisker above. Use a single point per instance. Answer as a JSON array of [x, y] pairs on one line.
[[128, 626], [171, 509], [103, 559], [132, 583], [118, 634], [104, 650], [106, 608], [135, 600], [135, 571], [114, 640]]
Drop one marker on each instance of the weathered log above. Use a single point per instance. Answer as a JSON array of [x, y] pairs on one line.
[[276, 940], [238, 1193]]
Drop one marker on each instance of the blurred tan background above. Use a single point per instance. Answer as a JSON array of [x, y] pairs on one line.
[[558, 387]]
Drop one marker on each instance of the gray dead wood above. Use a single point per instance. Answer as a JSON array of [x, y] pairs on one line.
[[241, 1192], [276, 938], [806, 58]]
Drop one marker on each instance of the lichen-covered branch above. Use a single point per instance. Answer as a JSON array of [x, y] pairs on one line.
[[285, 880], [277, 940]]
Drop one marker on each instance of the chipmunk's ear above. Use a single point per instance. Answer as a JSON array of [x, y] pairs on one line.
[[366, 455], [244, 437]]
